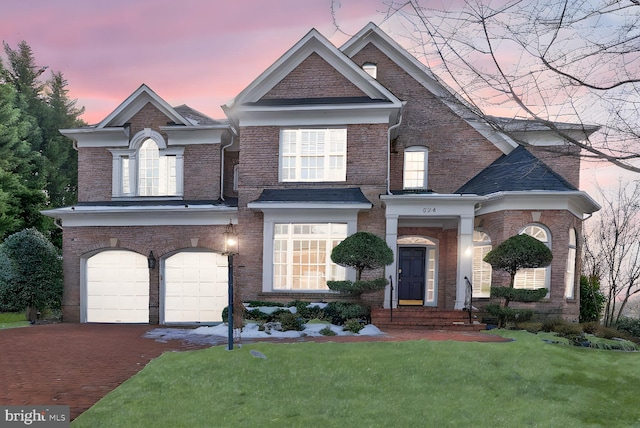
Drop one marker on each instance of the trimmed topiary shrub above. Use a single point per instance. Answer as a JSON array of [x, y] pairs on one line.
[[518, 252], [362, 250]]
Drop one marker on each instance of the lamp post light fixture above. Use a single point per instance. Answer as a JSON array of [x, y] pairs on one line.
[[230, 248]]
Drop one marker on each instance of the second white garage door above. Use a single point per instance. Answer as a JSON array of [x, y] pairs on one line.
[[195, 287]]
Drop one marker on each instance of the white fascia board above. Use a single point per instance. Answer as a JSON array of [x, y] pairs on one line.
[[421, 73], [137, 101], [547, 138], [92, 137], [312, 42], [187, 135], [83, 216], [309, 208], [577, 202], [315, 115], [430, 205]]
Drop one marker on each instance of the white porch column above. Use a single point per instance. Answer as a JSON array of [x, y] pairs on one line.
[[465, 257], [391, 270]]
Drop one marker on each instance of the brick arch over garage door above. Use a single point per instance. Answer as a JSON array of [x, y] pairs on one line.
[[116, 288], [194, 288]]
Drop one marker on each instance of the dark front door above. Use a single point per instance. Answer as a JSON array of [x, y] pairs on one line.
[[411, 275]]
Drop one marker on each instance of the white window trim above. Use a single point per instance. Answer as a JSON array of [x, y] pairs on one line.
[[547, 277], [327, 154], [275, 216], [477, 245], [570, 274], [132, 154], [414, 149]]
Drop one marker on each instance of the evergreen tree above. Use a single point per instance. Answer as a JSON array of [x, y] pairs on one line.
[[50, 179]]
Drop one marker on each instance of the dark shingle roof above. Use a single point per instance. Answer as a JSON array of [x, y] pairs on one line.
[[517, 171], [195, 117], [349, 195]]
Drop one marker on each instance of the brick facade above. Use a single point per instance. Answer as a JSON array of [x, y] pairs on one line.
[[456, 153]]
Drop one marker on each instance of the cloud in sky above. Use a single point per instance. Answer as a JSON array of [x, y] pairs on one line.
[[194, 52]]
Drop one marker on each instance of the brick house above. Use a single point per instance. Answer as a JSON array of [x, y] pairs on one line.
[[325, 142]]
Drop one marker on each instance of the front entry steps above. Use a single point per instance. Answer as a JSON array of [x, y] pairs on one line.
[[423, 318]]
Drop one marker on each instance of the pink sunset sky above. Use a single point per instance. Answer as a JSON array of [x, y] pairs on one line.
[[196, 52]]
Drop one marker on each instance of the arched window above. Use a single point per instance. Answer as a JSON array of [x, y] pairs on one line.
[[481, 269], [148, 167], [570, 274], [415, 168], [538, 277]]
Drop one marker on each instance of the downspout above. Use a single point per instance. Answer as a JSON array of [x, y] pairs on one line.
[[391, 128], [234, 133]]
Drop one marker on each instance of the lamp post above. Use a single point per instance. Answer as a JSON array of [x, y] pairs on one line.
[[230, 248]]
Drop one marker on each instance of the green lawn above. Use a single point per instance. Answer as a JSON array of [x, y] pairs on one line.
[[13, 319], [522, 383]]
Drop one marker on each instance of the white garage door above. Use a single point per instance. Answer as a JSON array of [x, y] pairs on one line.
[[117, 288], [195, 287]]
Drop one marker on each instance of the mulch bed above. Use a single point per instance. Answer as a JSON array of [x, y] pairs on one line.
[[78, 364]]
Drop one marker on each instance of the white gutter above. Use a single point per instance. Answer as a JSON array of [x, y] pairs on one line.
[[234, 133], [391, 128]]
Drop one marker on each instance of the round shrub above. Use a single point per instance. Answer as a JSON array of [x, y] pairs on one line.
[[353, 325]]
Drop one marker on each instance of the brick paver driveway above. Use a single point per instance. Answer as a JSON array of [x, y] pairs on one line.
[[73, 364], [78, 364]]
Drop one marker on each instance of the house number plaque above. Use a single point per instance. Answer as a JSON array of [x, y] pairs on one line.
[[428, 210]]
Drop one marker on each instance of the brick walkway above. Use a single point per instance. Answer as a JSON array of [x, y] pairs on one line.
[[78, 364]]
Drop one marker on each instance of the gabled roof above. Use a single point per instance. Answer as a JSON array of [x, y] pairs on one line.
[[312, 42], [371, 33], [517, 171], [136, 101]]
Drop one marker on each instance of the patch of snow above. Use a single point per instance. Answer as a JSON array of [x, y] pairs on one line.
[[251, 330]]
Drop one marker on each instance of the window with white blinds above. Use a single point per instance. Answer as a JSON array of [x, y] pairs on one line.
[[538, 277]]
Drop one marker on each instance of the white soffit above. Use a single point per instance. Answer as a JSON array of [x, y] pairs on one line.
[[312, 42], [157, 215], [577, 202], [134, 103]]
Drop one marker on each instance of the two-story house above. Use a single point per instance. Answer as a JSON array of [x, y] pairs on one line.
[[325, 142]]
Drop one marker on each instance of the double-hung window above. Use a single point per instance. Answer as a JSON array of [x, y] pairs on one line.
[[415, 168], [315, 154], [302, 255]]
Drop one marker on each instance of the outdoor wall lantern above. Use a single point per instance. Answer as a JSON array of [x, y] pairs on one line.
[[151, 261], [230, 248]]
